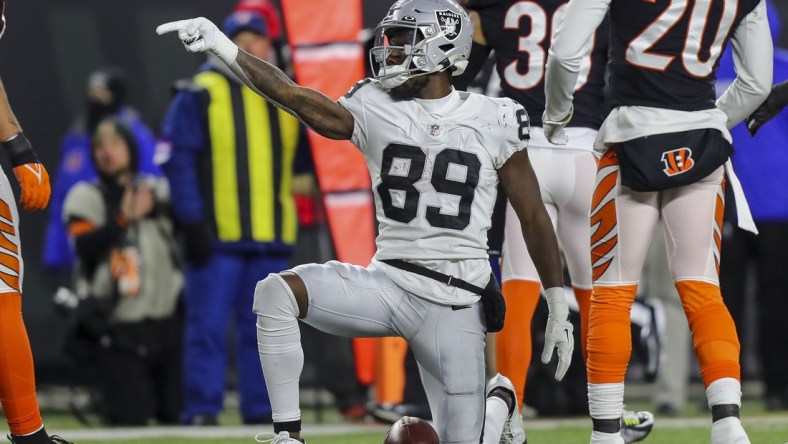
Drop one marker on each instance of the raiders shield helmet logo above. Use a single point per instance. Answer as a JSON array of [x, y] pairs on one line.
[[450, 23], [677, 161]]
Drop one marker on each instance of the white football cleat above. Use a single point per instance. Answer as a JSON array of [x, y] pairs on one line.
[[636, 426], [281, 438], [513, 432], [728, 431]]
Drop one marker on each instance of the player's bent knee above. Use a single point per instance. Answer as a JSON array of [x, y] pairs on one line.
[[273, 296]]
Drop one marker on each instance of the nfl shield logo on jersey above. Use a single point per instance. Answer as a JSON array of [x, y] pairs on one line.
[[450, 23], [435, 130]]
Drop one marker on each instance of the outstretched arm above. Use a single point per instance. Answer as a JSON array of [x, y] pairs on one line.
[[320, 112], [522, 188], [324, 115]]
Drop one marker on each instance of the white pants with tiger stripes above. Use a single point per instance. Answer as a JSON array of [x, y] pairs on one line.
[[11, 265]]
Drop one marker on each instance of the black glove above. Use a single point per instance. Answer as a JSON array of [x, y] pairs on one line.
[[494, 306], [198, 241], [775, 103]]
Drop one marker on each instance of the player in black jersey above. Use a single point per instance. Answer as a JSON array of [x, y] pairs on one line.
[[518, 31], [664, 144]]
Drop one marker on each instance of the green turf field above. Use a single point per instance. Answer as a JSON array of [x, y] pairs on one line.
[[691, 428], [758, 435], [763, 430]]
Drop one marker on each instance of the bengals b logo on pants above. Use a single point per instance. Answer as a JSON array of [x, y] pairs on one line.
[[677, 161]]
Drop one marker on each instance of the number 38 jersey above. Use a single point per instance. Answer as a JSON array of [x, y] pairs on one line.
[[519, 31], [665, 53], [433, 165]]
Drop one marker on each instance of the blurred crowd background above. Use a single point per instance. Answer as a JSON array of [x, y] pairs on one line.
[[46, 56]]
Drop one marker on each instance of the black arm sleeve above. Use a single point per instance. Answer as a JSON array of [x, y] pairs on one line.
[[479, 54], [91, 246]]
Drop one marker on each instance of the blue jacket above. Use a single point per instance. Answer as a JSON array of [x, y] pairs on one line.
[[75, 166]]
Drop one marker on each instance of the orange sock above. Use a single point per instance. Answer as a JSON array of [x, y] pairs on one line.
[[584, 303], [609, 341], [17, 378], [713, 331], [513, 344]]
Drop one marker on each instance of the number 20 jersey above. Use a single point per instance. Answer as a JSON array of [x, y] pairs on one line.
[[433, 166], [656, 59]]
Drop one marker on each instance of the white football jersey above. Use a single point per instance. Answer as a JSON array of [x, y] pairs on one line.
[[433, 168]]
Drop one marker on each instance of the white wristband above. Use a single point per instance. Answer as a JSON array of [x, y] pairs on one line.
[[556, 302], [226, 50]]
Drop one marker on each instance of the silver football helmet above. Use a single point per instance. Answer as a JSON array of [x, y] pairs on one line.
[[429, 36]]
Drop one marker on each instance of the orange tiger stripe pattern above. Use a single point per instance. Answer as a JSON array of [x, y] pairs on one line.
[[9, 251], [604, 221], [719, 212]]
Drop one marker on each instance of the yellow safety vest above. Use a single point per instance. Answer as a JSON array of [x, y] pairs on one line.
[[253, 144]]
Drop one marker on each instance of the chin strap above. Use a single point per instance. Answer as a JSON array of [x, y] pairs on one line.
[[392, 81]]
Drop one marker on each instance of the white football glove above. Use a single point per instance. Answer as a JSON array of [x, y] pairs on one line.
[[558, 334], [554, 129], [200, 35]]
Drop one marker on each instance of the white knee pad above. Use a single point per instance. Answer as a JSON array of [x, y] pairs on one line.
[[273, 297], [279, 345], [277, 313]]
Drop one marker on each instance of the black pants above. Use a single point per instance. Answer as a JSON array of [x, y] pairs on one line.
[[140, 372], [768, 253]]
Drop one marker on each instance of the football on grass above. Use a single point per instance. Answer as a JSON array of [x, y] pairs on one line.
[[410, 430]]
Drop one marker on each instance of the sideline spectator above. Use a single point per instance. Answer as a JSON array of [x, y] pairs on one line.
[[128, 272], [105, 97]]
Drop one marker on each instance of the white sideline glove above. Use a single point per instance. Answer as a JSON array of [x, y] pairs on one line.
[[200, 35], [554, 129], [558, 334]]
